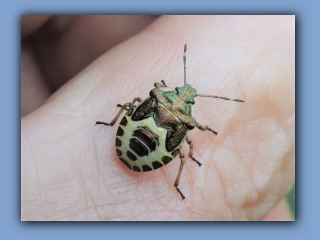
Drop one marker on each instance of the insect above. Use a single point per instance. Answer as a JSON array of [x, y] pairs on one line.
[[152, 132]]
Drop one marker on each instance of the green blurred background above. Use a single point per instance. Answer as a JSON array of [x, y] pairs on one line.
[[291, 201]]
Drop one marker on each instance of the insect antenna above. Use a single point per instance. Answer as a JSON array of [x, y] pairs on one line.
[[184, 64], [224, 98]]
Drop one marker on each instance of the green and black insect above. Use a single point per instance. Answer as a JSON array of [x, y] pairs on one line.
[[152, 132]]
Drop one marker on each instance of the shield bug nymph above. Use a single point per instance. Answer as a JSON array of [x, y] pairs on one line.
[[152, 132]]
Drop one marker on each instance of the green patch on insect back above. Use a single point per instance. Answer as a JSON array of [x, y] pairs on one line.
[[187, 93], [174, 100], [129, 113], [171, 96]]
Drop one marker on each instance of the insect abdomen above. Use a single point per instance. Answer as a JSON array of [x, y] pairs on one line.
[[141, 145]]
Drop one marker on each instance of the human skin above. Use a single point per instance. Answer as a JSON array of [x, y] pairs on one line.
[[69, 167]]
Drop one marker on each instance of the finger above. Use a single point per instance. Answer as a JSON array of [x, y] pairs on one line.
[[30, 23], [34, 90], [280, 212], [246, 172], [74, 42], [64, 46]]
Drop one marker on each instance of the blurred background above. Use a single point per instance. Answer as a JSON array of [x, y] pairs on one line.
[[291, 201]]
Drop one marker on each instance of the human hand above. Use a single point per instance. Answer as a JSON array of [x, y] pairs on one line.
[[69, 168]]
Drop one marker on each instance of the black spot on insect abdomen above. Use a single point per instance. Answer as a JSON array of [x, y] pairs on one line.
[[166, 160], [118, 142], [125, 162], [124, 121], [137, 169], [119, 153], [120, 132], [146, 168], [131, 156], [156, 165]]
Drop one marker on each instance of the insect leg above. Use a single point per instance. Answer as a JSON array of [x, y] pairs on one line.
[[139, 100], [162, 84], [176, 183], [191, 151], [205, 128], [117, 116], [123, 107], [119, 105]]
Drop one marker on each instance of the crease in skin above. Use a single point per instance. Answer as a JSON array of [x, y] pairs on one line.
[[55, 139], [241, 188], [23, 133], [190, 180], [82, 81], [263, 204], [91, 91], [169, 182], [122, 208], [288, 167], [148, 84], [120, 186], [223, 188], [258, 198], [114, 209], [57, 185], [111, 202], [111, 97], [95, 156], [116, 176], [157, 203], [94, 205], [233, 148], [77, 172], [108, 192], [151, 205], [279, 137], [197, 176]]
